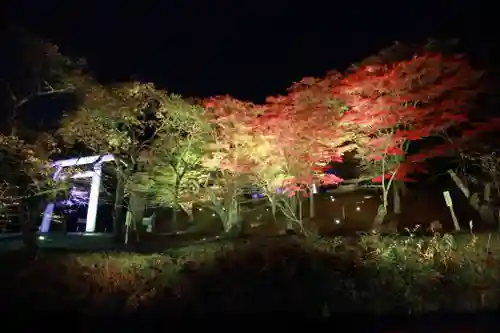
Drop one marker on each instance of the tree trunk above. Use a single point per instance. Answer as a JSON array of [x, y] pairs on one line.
[[487, 192], [381, 212], [312, 212], [396, 186], [187, 207], [461, 185], [379, 218], [234, 228], [135, 215], [174, 220], [118, 222], [474, 199], [403, 189], [497, 187], [28, 227]]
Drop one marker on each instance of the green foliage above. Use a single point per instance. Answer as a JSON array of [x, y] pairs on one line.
[[27, 181], [109, 119], [173, 166], [24, 166], [156, 137], [172, 180]]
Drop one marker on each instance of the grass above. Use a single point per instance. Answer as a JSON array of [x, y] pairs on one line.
[[317, 277]]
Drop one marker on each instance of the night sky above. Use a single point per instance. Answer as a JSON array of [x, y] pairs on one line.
[[246, 49]]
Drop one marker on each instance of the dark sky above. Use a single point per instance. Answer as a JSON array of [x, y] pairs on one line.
[[248, 49]]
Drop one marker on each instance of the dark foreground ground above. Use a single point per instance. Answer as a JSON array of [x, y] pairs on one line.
[[437, 284]]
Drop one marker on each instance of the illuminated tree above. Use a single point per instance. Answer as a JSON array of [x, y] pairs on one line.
[[32, 71], [230, 158], [275, 148], [299, 146], [26, 180], [133, 121], [173, 166], [305, 123], [391, 105]]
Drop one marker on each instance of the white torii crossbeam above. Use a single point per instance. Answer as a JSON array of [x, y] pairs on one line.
[[96, 176]]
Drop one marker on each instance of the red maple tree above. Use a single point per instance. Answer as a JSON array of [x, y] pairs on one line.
[[376, 109], [308, 136], [390, 105], [276, 136], [276, 145]]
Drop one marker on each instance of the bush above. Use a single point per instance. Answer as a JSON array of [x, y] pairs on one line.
[[315, 277]]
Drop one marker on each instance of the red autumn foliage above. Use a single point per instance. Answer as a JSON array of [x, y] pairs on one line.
[[310, 133], [330, 179], [406, 101], [291, 133], [375, 109], [312, 117]]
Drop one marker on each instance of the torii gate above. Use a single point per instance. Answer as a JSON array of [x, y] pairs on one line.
[[94, 189]]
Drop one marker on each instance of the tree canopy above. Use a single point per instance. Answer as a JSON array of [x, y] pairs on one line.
[[169, 149]]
